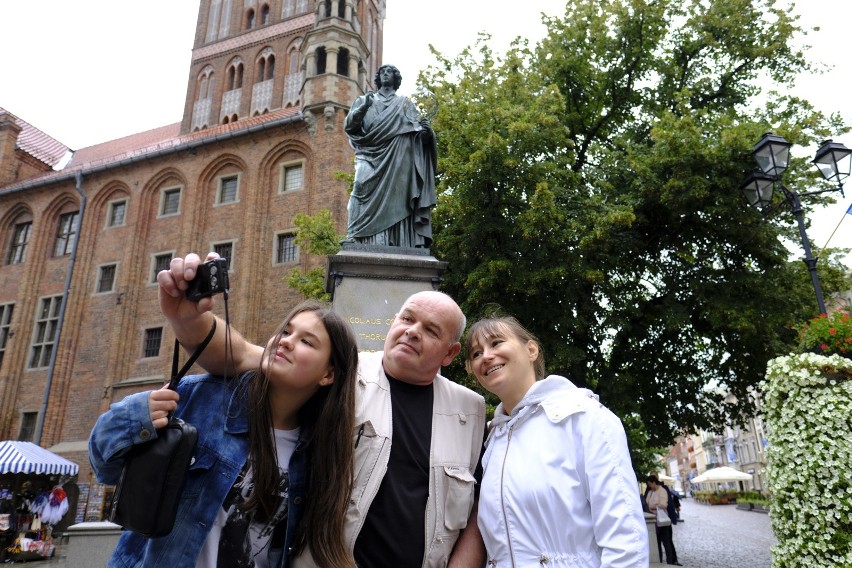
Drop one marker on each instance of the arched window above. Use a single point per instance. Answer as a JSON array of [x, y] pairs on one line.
[[321, 60], [261, 69], [235, 75], [343, 62], [19, 237], [326, 8], [205, 84], [264, 15], [295, 61], [341, 8], [250, 19], [270, 67]]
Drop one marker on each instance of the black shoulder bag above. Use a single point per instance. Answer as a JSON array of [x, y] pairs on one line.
[[147, 495]]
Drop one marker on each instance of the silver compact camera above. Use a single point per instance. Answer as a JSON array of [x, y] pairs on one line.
[[210, 278]]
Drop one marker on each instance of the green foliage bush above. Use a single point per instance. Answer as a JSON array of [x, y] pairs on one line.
[[808, 408]]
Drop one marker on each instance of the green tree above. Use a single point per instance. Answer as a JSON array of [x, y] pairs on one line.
[[590, 187], [315, 234]]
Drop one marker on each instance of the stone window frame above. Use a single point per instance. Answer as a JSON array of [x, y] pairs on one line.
[[99, 280], [233, 244], [44, 332], [156, 262], [111, 208], [219, 188], [150, 336], [277, 248], [282, 178], [164, 193]]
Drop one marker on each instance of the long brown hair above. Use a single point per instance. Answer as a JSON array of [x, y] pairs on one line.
[[330, 414]]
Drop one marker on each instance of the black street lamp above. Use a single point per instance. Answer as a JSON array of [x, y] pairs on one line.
[[772, 155]]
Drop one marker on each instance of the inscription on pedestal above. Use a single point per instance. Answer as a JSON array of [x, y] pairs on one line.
[[368, 288]]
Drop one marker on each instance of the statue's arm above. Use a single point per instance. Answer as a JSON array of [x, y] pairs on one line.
[[355, 118]]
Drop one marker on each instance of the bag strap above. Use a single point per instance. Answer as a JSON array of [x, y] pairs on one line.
[[178, 375]]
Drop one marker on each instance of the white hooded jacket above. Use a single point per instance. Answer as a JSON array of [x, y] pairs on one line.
[[558, 488]]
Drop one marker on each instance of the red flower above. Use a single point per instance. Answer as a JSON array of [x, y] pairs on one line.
[[832, 331], [824, 347]]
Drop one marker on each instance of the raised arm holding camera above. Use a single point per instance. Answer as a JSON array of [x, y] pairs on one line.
[[269, 439], [417, 436]]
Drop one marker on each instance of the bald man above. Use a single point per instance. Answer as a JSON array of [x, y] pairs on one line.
[[418, 435]]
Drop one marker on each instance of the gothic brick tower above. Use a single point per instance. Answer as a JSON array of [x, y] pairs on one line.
[[260, 141]]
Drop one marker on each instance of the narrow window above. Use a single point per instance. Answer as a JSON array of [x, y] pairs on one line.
[[232, 73], [226, 251], [153, 339], [321, 60], [250, 19], [170, 202], [161, 262], [44, 332], [264, 14], [343, 62], [66, 234], [270, 67], [228, 189], [28, 426], [5, 324], [20, 238], [291, 177], [286, 249], [106, 278], [117, 212]]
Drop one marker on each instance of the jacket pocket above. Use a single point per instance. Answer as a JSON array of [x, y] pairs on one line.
[[200, 465], [366, 453], [458, 500]]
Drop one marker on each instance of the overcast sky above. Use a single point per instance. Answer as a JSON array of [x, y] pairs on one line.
[[90, 71]]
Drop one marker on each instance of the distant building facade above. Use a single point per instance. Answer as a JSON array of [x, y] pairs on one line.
[[260, 141]]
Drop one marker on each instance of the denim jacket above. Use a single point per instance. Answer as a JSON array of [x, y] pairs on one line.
[[218, 410]]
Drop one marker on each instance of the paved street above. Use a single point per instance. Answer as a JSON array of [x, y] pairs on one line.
[[721, 536]]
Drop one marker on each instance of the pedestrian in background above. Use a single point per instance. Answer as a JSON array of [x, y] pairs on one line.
[[659, 497]]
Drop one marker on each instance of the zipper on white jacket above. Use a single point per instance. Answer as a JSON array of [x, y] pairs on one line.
[[502, 500]]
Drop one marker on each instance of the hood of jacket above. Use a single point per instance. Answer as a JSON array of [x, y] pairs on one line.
[[556, 395]]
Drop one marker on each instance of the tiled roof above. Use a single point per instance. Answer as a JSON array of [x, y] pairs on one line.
[[38, 144], [120, 147], [151, 142]]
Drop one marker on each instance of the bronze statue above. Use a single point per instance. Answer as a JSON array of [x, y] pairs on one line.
[[395, 161]]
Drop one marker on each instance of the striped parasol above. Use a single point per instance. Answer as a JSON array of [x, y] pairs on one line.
[[26, 457]]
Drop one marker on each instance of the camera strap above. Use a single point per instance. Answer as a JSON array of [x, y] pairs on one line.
[[178, 375]]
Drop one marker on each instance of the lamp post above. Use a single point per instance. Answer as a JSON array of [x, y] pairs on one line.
[[772, 155]]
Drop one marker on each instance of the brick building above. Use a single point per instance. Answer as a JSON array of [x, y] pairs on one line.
[[260, 141]]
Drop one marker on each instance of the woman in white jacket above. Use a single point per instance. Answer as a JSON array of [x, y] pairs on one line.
[[558, 488]]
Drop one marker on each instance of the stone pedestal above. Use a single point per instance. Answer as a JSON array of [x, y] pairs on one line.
[[90, 544], [369, 284]]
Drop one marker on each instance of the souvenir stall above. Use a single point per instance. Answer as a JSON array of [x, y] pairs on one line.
[[32, 499]]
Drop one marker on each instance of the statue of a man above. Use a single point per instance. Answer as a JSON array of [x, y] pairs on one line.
[[395, 161]]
